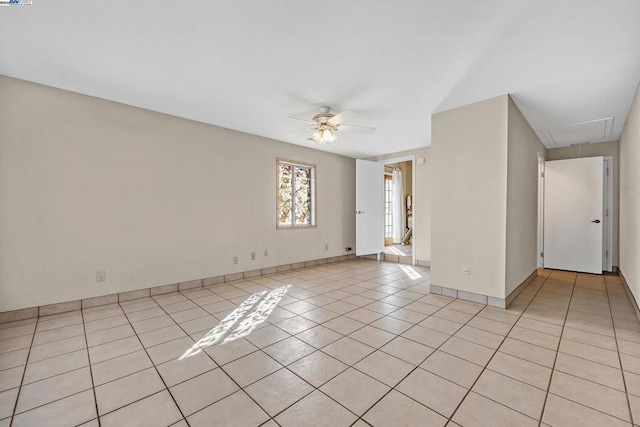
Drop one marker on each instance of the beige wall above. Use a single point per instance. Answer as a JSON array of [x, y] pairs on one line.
[[88, 184], [522, 199], [469, 204], [610, 148], [630, 198], [422, 200]]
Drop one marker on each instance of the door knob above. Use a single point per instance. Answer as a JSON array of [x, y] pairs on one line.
[[359, 212], [597, 221]]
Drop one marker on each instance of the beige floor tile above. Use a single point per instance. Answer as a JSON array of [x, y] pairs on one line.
[[634, 403], [317, 368], [103, 352], [343, 325], [355, 390], [521, 370], [146, 314], [348, 350], [384, 367], [289, 350], [536, 325], [453, 315], [318, 336], [58, 334], [320, 315], [407, 350], [11, 378], [490, 325], [152, 324], [467, 350], [408, 315], [116, 394], [499, 315], [397, 410], [278, 391], [119, 367], [295, 325], [226, 352], [57, 348], [203, 390], [17, 343], [8, 402], [159, 336], [72, 410], [54, 388], [590, 338], [178, 370], [479, 336], [235, 410], [55, 366], [169, 350], [107, 335], [441, 325], [13, 358], [513, 394], [478, 411], [589, 352], [630, 363], [156, 410], [251, 368], [17, 330], [591, 371], [563, 412], [453, 368], [421, 307], [590, 394], [533, 337], [530, 352], [426, 336], [392, 325], [432, 391], [316, 410], [372, 337], [102, 324]]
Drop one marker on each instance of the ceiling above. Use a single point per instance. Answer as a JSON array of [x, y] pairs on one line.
[[246, 65]]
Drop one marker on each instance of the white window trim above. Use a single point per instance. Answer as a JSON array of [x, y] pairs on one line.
[[313, 209]]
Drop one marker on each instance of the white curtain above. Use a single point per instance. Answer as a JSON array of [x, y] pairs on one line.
[[397, 195]]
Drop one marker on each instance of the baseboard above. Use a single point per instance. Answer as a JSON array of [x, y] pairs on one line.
[[634, 303], [484, 299], [63, 307]]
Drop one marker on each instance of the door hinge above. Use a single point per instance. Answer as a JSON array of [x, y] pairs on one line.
[[606, 254], [607, 170], [541, 254], [606, 212], [542, 174]]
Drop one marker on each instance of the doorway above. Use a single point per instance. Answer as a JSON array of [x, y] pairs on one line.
[[399, 230], [576, 201]]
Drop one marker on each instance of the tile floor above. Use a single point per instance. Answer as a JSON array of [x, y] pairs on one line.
[[356, 343]]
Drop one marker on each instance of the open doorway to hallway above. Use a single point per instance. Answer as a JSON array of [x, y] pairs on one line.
[[398, 210]]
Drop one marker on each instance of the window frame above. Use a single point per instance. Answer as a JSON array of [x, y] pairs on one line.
[[313, 209]]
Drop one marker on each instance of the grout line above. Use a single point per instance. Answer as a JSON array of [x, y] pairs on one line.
[[24, 372], [158, 373], [553, 368], [624, 377]]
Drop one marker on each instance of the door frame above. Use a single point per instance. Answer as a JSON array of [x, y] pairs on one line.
[[412, 159], [607, 215]]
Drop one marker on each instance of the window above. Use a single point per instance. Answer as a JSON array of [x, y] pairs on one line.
[[296, 195], [388, 210]]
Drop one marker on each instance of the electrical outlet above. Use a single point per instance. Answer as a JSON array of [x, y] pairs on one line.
[[235, 259], [347, 249], [266, 252], [101, 276], [253, 256], [326, 246]]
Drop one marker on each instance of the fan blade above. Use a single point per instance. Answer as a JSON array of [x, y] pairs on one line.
[[309, 122], [359, 129], [291, 135], [343, 117]]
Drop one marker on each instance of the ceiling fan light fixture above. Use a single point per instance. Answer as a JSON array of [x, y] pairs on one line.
[[324, 136]]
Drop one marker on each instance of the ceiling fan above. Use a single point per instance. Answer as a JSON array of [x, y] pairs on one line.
[[325, 124]]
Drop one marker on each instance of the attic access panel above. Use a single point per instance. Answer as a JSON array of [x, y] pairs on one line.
[[580, 133]]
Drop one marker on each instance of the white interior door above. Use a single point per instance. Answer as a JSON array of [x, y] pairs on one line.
[[573, 207], [369, 207]]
